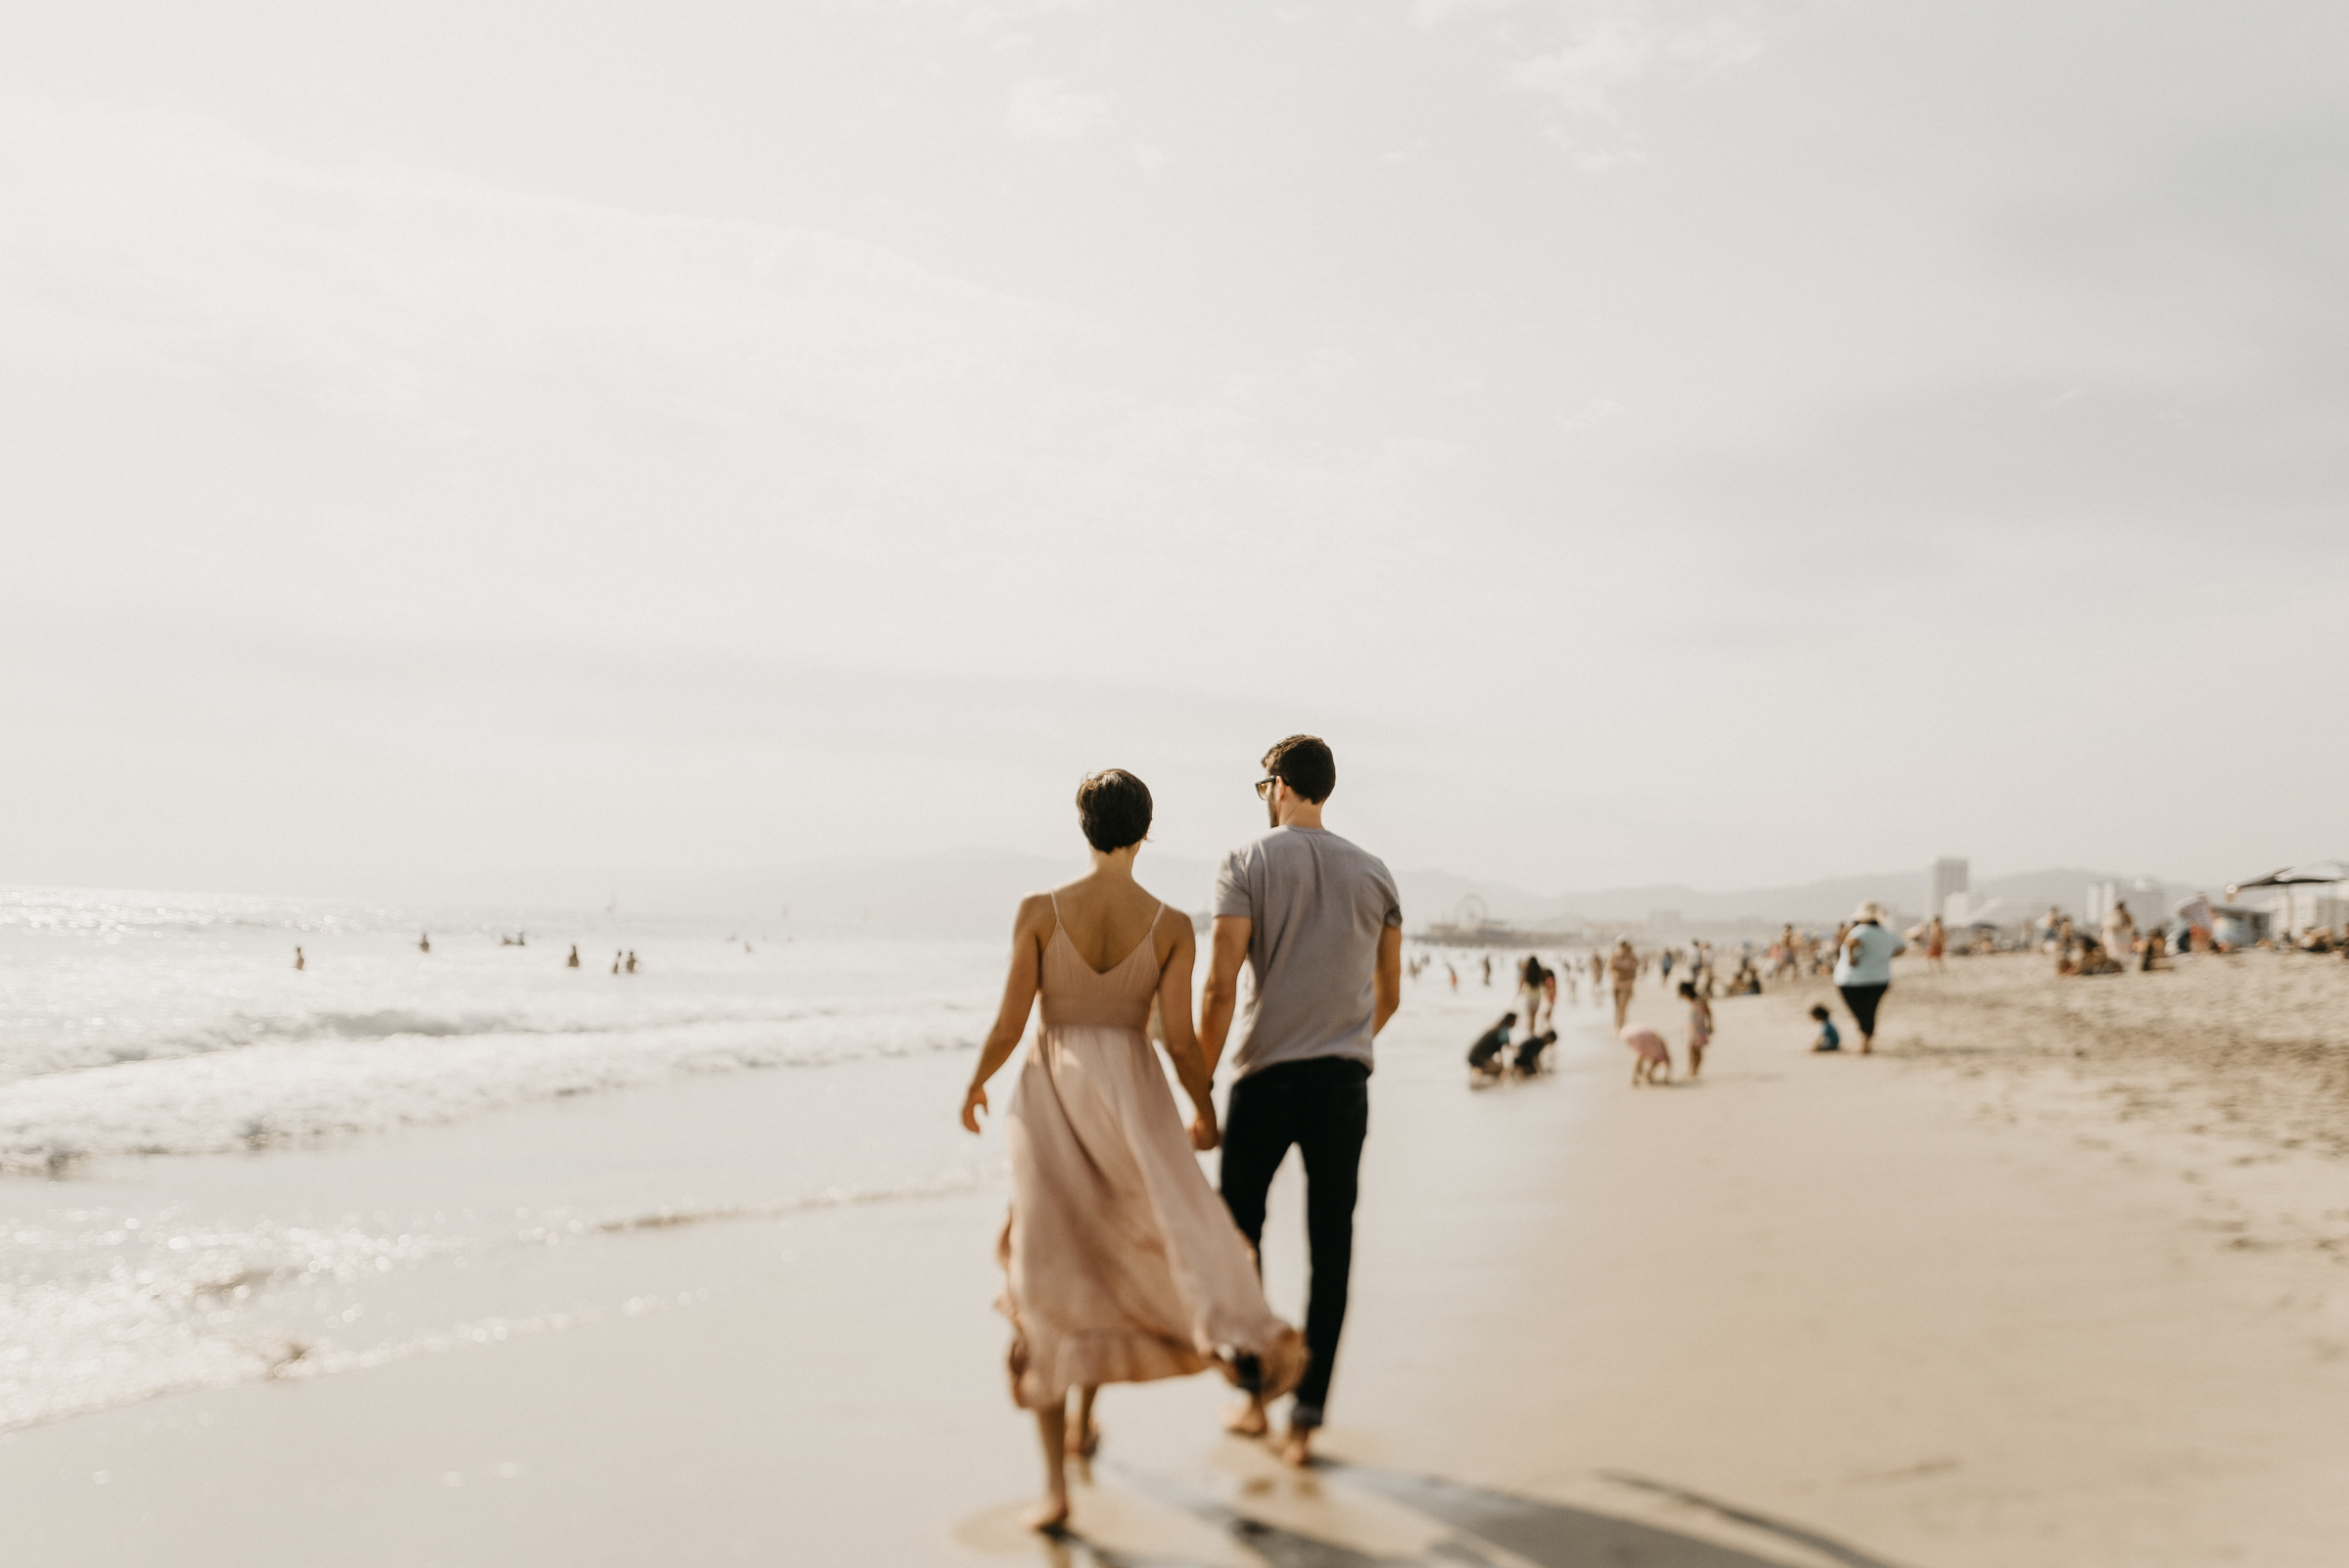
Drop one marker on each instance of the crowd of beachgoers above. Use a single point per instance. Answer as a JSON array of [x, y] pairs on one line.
[[1857, 956]]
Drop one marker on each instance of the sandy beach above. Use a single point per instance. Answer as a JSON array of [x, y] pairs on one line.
[[571, 577], [2054, 1279]]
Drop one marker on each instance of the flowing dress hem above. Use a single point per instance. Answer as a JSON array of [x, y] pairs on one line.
[[1045, 1366]]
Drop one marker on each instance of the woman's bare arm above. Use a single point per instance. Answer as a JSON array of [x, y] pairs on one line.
[[1028, 931], [1182, 1043]]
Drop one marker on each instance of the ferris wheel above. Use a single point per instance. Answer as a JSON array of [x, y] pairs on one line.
[[1470, 913]]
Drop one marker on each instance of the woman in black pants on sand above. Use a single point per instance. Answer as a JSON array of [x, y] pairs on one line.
[[1864, 969]]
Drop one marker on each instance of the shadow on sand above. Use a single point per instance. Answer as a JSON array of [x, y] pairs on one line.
[[1492, 1528]]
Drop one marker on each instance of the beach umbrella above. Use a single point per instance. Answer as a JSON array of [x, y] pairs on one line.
[[2316, 873], [2295, 876]]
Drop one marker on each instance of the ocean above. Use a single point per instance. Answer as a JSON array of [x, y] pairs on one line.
[[215, 1167]]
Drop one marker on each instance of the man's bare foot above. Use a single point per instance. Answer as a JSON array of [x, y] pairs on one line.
[[1247, 1420], [1047, 1516], [1297, 1448]]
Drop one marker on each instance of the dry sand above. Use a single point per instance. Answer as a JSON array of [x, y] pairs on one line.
[[1978, 1300]]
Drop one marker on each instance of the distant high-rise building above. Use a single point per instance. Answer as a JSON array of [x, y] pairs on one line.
[[2147, 898], [1945, 876]]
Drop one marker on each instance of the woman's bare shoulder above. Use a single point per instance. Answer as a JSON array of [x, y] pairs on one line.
[[1036, 913], [1173, 928]]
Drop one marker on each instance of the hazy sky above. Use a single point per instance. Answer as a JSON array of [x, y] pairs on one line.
[[1734, 444]]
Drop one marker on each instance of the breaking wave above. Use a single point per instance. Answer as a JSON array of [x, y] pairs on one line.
[[322, 1085]]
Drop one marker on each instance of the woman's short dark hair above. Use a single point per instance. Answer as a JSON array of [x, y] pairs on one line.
[[1303, 762], [1114, 809]]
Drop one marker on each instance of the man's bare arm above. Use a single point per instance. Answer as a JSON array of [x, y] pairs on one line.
[[1386, 982], [1222, 994]]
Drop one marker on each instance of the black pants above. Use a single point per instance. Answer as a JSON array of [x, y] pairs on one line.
[[1322, 1106], [1862, 1000]]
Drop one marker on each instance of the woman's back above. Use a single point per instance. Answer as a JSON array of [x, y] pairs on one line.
[[1105, 920], [1102, 962]]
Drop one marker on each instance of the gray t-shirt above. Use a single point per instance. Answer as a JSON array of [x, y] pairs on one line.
[[1318, 905]]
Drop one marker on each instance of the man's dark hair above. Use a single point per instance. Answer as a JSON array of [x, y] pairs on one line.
[[1303, 762], [1113, 807]]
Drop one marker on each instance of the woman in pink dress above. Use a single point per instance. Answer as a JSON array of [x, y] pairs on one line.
[[1121, 1263]]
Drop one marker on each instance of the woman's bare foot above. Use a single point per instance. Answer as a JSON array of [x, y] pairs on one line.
[[1047, 1516], [1088, 1441], [1297, 1448], [1247, 1420]]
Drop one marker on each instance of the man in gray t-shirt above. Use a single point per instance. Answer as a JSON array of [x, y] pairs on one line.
[[1317, 907], [1317, 923]]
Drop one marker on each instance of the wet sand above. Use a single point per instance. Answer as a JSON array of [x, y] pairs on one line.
[[1965, 1302]]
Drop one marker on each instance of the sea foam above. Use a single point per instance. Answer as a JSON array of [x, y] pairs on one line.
[[154, 1025]]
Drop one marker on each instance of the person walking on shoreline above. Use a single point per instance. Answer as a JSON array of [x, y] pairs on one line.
[[1529, 993], [1120, 1265], [1863, 970], [1623, 967], [1320, 924]]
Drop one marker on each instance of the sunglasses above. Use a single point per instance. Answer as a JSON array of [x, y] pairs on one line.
[[1264, 788]]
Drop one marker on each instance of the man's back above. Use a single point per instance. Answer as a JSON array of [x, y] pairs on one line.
[[1317, 906]]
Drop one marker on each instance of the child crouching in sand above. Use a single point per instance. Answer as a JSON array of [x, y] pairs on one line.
[[1484, 1058], [1828, 1039], [1700, 1026], [1654, 1058]]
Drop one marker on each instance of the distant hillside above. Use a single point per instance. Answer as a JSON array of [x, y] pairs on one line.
[[1435, 894], [972, 892]]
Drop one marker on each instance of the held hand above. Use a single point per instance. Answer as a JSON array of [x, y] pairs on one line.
[[1204, 1135], [973, 1102]]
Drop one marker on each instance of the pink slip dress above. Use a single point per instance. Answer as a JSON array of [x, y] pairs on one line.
[[1121, 1263]]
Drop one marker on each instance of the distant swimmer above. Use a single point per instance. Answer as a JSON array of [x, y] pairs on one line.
[[615, 956], [573, 962], [423, 942], [632, 960], [300, 962]]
